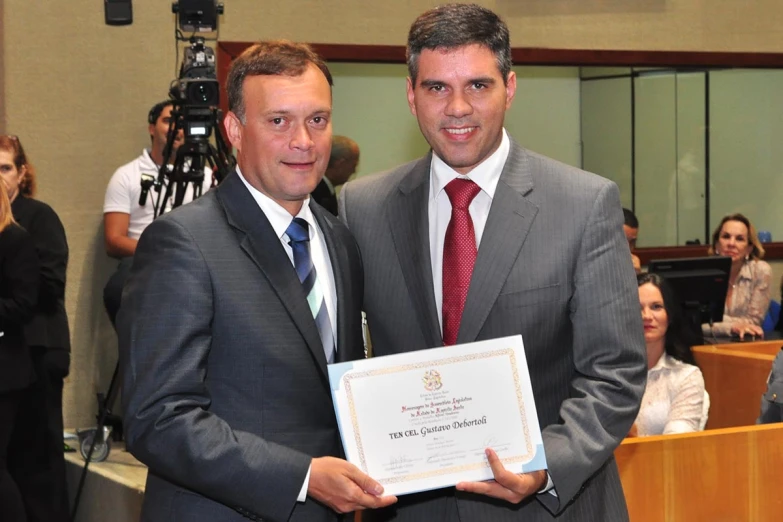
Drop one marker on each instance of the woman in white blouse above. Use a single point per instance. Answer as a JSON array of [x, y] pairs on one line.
[[674, 400]]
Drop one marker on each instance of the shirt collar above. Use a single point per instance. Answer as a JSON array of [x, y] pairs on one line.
[[746, 272], [279, 217], [486, 174], [146, 161], [329, 184], [666, 362]]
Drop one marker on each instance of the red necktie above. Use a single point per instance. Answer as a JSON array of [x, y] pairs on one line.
[[459, 256]]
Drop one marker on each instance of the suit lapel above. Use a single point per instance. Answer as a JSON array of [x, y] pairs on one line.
[[409, 223], [338, 257], [260, 242], [508, 223]]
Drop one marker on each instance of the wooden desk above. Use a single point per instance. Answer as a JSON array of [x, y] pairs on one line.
[[763, 347], [720, 475], [735, 380]]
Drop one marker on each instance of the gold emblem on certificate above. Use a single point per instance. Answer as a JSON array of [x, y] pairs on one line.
[[432, 380]]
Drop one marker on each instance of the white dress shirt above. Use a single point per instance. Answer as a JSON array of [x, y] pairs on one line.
[[280, 219], [486, 175]]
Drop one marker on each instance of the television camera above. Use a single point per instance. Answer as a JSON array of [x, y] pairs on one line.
[[196, 96]]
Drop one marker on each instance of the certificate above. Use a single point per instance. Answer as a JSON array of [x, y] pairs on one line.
[[422, 420]]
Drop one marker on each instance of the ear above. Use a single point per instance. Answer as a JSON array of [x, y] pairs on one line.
[[511, 88], [234, 128], [409, 87]]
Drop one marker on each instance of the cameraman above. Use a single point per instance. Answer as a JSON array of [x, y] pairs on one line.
[[124, 219]]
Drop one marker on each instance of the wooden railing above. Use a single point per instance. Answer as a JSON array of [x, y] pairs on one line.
[[735, 376], [721, 475]]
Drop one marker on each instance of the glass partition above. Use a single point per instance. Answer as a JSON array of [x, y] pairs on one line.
[[685, 147]]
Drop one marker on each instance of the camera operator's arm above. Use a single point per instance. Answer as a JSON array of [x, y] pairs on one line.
[[115, 234]]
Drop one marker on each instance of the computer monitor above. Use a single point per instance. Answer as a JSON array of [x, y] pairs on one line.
[[700, 284]]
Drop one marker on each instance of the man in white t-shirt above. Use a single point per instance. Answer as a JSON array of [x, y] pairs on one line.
[[124, 219]]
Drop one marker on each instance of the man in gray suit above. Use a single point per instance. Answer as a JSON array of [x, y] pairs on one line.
[[234, 306], [482, 239]]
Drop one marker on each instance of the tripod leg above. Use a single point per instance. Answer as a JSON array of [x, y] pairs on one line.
[[105, 408], [103, 411]]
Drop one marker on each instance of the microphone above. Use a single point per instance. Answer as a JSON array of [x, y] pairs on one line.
[[147, 180]]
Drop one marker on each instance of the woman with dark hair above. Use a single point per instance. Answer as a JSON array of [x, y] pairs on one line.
[[38, 463], [18, 295], [674, 400], [748, 297]]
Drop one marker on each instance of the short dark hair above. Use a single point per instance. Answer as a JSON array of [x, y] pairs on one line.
[[343, 148], [156, 110], [455, 25], [276, 57], [679, 338], [630, 219]]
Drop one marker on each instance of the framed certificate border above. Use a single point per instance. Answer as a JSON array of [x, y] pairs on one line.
[[430, 366]]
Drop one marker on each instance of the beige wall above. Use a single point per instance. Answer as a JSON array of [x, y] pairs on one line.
[[713, 25], [76, 91]]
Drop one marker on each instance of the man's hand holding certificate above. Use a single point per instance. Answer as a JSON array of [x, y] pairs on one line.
[[423, 420]]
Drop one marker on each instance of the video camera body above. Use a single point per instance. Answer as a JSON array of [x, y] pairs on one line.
[[197, 84]]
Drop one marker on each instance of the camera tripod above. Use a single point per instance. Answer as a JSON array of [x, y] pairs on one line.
[[98, 438], [191, 159]]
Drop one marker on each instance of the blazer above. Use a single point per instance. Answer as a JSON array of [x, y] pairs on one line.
[[325, 197], [18, 296], [225, 387], [552, 266], [49, 326]]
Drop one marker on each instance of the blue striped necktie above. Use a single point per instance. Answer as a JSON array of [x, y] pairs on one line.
[[299, 234]]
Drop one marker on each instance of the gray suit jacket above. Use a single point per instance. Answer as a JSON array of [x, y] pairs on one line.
[[553, 265], [225, 387]]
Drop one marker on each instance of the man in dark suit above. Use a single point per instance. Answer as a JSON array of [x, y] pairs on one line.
[[483, 239], [343, 161], [234, 305]]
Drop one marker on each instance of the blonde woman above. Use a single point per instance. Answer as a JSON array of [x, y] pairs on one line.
[[18, 297], [748, 297]]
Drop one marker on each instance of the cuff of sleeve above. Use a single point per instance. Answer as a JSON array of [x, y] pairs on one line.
[[549, 487], [303, 493], [679, 426]]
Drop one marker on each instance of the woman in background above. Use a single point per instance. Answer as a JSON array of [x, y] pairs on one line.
[[18, 296], [748, 297], [674, 400], [38, 463]]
